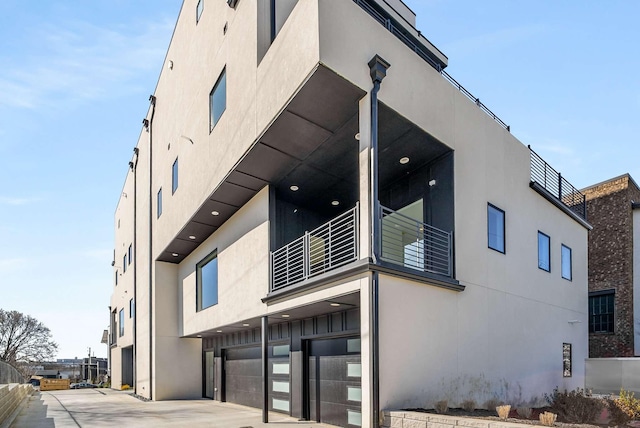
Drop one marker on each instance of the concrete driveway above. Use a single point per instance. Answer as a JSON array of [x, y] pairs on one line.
[[108, 408]]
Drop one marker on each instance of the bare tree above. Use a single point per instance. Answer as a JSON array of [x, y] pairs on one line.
[[24, 339]]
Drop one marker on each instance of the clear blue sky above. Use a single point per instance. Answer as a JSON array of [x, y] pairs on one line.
[[74, 84]]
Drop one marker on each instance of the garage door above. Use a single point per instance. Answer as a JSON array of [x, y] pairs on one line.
[[335, 389], [243, 377]]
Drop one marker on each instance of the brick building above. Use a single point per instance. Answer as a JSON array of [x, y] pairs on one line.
[[613, 208]]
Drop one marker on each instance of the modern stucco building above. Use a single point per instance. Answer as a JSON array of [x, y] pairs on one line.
[[613, 207], [318, 220]]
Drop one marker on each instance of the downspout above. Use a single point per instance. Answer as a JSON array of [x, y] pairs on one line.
[[149, 125], [134, 167], [378, 70]]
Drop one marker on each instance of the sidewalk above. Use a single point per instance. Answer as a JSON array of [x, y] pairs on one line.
[[108, 408]]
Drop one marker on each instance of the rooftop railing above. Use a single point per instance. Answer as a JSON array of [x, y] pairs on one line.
[[420, 51], [328, 247], [554, 183], [411, 243]]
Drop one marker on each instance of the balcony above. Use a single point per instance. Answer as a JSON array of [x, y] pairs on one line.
[[553, 186], [405, 242]]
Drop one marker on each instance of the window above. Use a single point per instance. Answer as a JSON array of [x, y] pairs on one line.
[[124, 263], [116, 276], [131, 308], [544, 252], [218, 99], [601, 311], [566, 262], [121, 315], [495, 226], [566, 360], [112, 336], [207, 281], [159, 203], [174, 176], [130, 253], [199, 9]]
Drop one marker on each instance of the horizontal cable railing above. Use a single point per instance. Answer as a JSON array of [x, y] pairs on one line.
[[325, 248], [388, 24], [416, 245], [554, 183]]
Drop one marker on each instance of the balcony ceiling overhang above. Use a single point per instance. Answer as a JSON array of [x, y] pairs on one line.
[[312, 144]]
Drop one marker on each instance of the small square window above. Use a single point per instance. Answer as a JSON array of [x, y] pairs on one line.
[[544, 252], [218, 99], [495, 228], [566, 263], [159, 203], [199, 9], [174, 176]]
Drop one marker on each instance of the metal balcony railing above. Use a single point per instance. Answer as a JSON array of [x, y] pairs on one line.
[[420, 51], [325, 248], [416, 245], [554, 183]]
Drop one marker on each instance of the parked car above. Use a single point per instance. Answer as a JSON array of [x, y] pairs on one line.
[[82, 385]]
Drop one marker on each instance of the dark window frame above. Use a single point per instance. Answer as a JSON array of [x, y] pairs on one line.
[[174, 176], [606, 317], [130, 253], [213, 119], [124, 263], [540, 265], [131, 308], [562, 262], [491, 207], [116, 277], [211, 257]]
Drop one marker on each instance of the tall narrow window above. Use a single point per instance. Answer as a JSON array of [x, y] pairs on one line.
[[131, 308], [601, 311], [199, 9], [174, 176], [566, 360], [121, 319], [495, 226], [207, 281], [544, 252], [130, 253], [159, 203], [566, 262], [124, 263], [116, 277], [218, 99]]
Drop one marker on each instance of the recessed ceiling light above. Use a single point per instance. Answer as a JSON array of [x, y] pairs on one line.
[[335, 203], [199, 335], [215, 213], [245, 324], [175, 254], [335, 304], [192, 237], [294, 188], [404, 160], [218, 331], [285, 315]]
